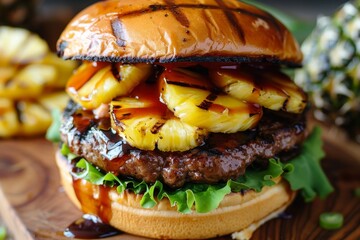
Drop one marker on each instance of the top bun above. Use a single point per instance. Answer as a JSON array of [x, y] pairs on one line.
[[167, 31]]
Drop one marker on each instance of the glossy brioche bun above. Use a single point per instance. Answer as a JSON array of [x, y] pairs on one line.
[[177, 31], [236, 212]]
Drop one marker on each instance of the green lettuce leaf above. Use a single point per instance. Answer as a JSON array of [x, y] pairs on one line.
[[304, 173], [53, 132]]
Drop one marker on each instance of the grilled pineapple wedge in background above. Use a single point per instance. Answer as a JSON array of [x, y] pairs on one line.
[[97, 83], [27, 82], [272, 90], [146, 123], [32, 81], [20, 46], [28, 118], [9, 120], [331, 72], [195, 101]]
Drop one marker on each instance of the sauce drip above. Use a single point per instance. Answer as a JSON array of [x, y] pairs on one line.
[[96, 203], [89, 227], [94, 199], [149, 94]]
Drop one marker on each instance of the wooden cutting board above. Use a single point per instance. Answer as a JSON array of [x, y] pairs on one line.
[[34, 206]]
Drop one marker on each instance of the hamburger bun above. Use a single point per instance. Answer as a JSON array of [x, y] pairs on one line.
[[236, 212], [164, 31]]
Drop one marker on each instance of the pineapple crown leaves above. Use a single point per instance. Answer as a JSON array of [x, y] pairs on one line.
[[303, 173]]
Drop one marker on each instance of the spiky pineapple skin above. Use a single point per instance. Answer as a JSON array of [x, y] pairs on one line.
[[331, 68]]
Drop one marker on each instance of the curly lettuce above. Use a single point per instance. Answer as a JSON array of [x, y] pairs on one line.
[[303, 173]]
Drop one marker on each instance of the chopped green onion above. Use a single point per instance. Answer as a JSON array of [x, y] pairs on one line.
[[2, 233], [357, 192], [330, 221]]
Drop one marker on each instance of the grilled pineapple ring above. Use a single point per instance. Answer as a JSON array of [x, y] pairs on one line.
[[96, 83], [32, 81], [19, 46], [192, 99], [146, 124], [29, 117], [272, 90], [9, 123], [27, 67]]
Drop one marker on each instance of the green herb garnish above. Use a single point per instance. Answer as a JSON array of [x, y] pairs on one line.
[[331, 221]]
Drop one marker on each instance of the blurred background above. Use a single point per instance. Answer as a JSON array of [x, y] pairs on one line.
[[307, 9]]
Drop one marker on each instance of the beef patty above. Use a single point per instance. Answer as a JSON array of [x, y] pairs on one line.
[[222, 157]]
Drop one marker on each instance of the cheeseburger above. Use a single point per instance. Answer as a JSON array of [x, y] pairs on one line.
[[182, 124]]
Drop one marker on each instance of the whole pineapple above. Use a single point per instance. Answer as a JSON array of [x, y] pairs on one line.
[[331, 72]]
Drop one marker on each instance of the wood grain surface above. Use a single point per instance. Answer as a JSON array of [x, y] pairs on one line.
[[34, 206]]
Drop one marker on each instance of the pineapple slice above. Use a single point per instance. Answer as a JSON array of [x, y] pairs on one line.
[[6, 73], [34, 118], [297, 99], [64, 69], [96, 83], [9, 123], [272, 90], [19, 46], [54, 100], [195, 101], [30, 81], [27, 118], [147, 124]]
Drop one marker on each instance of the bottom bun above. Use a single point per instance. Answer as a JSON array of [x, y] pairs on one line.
[[123, 211]]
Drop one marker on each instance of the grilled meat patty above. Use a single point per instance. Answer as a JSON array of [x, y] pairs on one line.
[[222, 157]]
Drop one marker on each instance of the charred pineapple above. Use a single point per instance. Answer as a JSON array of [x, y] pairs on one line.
[[97, 83], [146, 123], [331, 72], [32, 80], [272, 90], [192, 100], [176, 108]]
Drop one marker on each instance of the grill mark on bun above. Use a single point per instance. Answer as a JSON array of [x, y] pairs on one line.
[[62, 46], [176, 11], [118, 31], [232, 20], [183, 20]]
